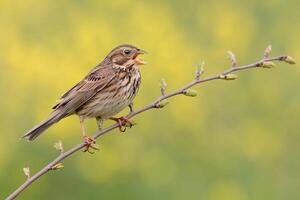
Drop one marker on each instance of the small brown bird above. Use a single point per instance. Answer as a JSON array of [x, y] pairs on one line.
[[105, 91]]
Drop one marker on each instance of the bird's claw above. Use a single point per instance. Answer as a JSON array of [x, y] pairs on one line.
[[90, 144], [123, 123]]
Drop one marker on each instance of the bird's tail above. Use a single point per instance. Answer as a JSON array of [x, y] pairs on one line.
[[41, 127]]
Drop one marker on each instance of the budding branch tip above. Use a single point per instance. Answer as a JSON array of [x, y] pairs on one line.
[[199, 70], [163, 86], [232, 58]]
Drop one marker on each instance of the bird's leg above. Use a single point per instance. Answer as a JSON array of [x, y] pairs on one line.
[[81, 120], [123, 122], [89, 141], [99, 123], [131, 107]]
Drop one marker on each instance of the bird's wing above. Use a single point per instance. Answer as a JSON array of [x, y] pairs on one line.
[[98, 79]]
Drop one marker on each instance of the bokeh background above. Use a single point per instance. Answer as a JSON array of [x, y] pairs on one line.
[[237, 140]]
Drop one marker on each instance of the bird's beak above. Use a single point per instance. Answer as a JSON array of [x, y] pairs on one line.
[[138, 60]]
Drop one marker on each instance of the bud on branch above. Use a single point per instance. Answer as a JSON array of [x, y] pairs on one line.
[[289, 59], [267, 52], [163, 86], [199, 70], [59, 146], [190, 93], [228, 76], [162, 104], [57, 166], [268, 64], [232, 58], [26, 171]]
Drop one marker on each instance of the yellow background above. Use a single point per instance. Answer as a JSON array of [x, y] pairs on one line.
[[236, 140]]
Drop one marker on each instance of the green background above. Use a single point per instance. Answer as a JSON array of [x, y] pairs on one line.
[[237, 140]]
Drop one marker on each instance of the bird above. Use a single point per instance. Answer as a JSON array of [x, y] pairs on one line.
[[106, 90]]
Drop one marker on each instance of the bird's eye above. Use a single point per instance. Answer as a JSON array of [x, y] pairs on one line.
[[127, 51]]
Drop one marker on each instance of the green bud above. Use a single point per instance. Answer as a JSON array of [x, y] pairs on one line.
[[26, 171], [289, 59], [268, 65], [228, 77], [58, 146], [190, 93], [57, 166], [162, 104]]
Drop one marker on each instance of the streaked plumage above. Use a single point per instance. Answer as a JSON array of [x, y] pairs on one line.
[[106, 90]]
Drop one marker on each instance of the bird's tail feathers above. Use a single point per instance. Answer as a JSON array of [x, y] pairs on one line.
[[42, 126]]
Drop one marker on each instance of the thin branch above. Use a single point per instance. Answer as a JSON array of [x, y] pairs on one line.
[[158, 103]]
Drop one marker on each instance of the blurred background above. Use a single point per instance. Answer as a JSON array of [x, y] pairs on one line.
[[237, 140]]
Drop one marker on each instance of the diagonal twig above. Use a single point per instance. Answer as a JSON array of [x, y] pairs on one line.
[[226, 75]]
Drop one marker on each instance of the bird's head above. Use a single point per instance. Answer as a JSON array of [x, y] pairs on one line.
[[126, 55]]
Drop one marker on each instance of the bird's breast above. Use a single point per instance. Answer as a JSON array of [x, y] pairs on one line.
[[114, 97]]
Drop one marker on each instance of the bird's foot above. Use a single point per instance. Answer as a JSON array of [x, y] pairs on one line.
[[123, 122], [90, 144]]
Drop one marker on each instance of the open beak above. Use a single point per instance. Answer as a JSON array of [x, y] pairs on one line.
[[139, 61]]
